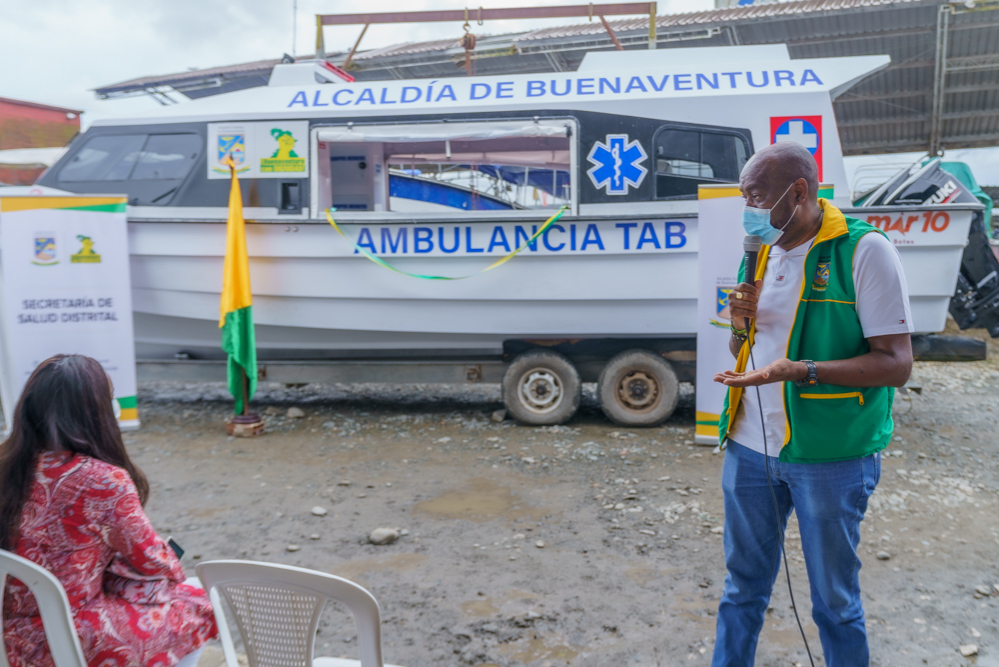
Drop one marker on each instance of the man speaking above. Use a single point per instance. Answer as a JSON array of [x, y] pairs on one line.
[[826, 320]]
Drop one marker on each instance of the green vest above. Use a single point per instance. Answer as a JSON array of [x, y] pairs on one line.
[[824, 422]]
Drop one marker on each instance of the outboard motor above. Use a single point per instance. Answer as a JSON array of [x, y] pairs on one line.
[[928, 186], [976, 300]]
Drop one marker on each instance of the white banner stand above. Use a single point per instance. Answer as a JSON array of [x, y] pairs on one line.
[[64, 270], [719, 223]]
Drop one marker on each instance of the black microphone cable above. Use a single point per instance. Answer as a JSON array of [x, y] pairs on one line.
[[773, 496]]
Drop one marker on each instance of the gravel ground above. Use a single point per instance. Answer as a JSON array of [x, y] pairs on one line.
[[585, 544]]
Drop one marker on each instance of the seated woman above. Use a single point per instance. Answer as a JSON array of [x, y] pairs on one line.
[[71, 501]]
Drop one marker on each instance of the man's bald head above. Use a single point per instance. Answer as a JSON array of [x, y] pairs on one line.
[[784, 179], [782, 164]]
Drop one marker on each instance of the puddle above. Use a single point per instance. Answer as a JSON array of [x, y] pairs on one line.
[[640, 575], [486, 607], [353, 569], [643, 574], [539, 649], [481, 500], [479, 608]]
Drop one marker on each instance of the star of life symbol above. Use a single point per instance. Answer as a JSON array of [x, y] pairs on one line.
[[800, 132], [617, 164]]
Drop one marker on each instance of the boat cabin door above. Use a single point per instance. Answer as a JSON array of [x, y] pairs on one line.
[[353, 176]]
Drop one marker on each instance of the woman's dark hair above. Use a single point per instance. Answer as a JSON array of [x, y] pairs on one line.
[[66, 405]]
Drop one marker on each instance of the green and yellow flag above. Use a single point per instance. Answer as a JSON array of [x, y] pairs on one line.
[[236, 307]]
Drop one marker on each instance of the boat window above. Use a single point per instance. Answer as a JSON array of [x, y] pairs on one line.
[[687, 157], [166, 156], [104, 158], [500, 165], [136, 157]]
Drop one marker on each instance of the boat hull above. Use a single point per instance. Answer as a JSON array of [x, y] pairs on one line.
[[315, 297]]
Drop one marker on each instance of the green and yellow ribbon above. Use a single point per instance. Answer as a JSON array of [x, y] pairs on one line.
[[501, 261]]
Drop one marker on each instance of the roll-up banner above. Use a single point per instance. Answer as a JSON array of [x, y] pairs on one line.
[[719, 220], [66, 289]]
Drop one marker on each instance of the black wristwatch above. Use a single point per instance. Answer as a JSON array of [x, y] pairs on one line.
[[812, 378]]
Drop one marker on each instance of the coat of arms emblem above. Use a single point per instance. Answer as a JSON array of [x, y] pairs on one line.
[[45, 250], [233, 144], [821, 279]]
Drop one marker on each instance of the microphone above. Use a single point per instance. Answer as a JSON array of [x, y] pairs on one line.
[[751, 246]]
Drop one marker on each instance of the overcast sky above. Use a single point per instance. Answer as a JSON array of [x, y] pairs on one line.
[[56, 51]]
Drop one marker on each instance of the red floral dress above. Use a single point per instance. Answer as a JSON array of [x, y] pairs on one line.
[[84, 523]]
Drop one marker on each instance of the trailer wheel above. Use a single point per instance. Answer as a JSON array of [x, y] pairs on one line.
[[542, 388], [638, 388]]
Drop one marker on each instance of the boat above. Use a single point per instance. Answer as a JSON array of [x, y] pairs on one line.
[[443, 179], [622, 143]]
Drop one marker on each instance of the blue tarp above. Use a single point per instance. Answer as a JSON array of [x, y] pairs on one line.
[[542, 179], [444, 194], [439, 192]]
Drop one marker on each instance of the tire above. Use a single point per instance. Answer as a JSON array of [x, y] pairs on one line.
[[541, 388], [638, 388]]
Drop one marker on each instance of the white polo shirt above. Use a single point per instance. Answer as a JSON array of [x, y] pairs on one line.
[[882, 306]]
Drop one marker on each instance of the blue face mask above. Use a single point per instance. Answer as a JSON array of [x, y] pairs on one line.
[[757, 221]]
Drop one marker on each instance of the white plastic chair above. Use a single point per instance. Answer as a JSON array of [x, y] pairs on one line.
[[57, 617], [277, 610]]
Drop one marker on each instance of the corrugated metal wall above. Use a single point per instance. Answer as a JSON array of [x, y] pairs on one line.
[[890, 111]]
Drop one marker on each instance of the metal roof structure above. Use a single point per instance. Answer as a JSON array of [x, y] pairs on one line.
[[196, 83], [941, 90]]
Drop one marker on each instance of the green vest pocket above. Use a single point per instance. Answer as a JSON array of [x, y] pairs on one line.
[[852, 394]]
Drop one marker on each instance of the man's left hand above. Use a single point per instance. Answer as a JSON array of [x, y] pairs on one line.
[[782, 370]]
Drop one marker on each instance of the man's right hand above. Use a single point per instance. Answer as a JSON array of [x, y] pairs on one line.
[[742, 303]]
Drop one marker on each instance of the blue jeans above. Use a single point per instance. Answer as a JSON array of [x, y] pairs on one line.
[[830, 500]]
